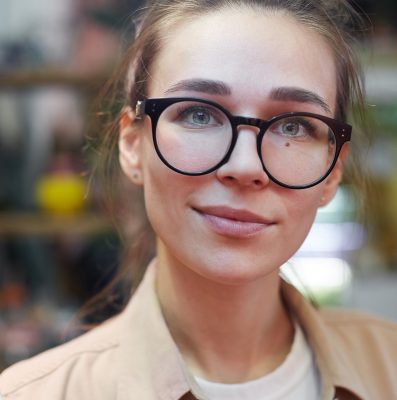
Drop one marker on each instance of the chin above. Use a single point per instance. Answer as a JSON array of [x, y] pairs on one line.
[[234, 273]]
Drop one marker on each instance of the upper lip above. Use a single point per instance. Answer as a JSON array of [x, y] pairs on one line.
[[233, 214]]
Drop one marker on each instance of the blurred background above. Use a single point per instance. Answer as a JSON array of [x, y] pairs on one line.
[[58, 247]]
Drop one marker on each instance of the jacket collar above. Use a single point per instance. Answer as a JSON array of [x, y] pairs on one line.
[[338, 374], [151, 366]]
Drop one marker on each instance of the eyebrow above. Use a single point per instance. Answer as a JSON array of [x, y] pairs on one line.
[[214, 87], [299, 95], [201, 86]]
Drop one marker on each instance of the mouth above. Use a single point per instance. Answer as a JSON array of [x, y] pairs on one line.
[[233, 222]]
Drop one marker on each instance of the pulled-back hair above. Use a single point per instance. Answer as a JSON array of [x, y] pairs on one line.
[[336, 21]]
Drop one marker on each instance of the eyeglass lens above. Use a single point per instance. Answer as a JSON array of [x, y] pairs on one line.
[[194, 137]]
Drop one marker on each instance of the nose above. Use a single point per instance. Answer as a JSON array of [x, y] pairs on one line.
[[244, 166]]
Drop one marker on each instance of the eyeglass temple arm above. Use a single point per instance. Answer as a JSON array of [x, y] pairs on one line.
[[140, 109]]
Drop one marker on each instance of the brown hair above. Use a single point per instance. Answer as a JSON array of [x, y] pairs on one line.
[[335, 20]]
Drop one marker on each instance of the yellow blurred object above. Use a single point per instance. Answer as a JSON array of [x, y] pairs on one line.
[[61, 193]]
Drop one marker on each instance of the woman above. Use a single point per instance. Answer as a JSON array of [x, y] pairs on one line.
[[234, 127]]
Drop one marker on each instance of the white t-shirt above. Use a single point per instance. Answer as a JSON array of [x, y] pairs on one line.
[[296, 378]]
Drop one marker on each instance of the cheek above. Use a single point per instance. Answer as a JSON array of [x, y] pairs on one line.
[[301, 209], [165, 192], [160, 203], [154, 171], [157, 186]]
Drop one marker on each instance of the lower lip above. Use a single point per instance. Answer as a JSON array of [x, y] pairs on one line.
[[233, 228]]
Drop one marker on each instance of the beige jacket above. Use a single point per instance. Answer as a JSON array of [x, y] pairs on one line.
[[133, 357]]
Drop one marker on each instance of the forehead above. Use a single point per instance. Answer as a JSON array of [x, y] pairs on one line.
[[251, 51]]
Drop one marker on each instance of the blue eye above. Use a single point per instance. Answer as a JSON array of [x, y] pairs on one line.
[[197, 115], [200, 116], [295, 128], [291, 129]]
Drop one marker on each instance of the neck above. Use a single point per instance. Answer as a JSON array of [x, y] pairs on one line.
[[226, 333]]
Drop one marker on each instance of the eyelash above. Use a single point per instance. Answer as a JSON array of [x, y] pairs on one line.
[[181, 111]]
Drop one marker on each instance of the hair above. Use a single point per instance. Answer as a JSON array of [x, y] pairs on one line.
[[337, 21]]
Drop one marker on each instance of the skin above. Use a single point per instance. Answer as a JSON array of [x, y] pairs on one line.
[[219, 288]]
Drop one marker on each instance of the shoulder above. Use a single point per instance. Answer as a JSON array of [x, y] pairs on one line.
[[338, 322], [362, 334], [88, 356], [337, 318], [358, 352]]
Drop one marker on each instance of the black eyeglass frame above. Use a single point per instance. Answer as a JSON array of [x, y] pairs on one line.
[[155, 106]]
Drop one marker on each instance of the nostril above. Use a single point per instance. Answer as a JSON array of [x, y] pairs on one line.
[[229, 178]]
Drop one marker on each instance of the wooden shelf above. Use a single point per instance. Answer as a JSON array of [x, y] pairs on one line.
[[47, 225], [29, 78]]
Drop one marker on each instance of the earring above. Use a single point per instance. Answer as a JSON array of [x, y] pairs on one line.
[[136, 175]]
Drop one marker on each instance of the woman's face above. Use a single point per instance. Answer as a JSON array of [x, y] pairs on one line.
[[234, 225]]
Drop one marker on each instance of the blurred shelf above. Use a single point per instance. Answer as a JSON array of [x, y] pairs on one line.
[[37, 224], [48, 77]]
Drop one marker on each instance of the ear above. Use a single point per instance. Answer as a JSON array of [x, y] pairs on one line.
[[130, 147], [334, 178]]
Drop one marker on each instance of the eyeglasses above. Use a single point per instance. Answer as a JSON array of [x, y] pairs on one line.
[[195, 137]]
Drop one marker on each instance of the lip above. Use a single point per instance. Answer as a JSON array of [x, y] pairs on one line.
[[233, 222]]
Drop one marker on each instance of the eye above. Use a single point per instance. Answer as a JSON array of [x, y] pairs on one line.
[[290, 128], [295, 128], [200, 116]]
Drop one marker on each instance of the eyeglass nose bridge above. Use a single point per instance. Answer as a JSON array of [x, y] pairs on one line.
[[248, 121], [260, 124]]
